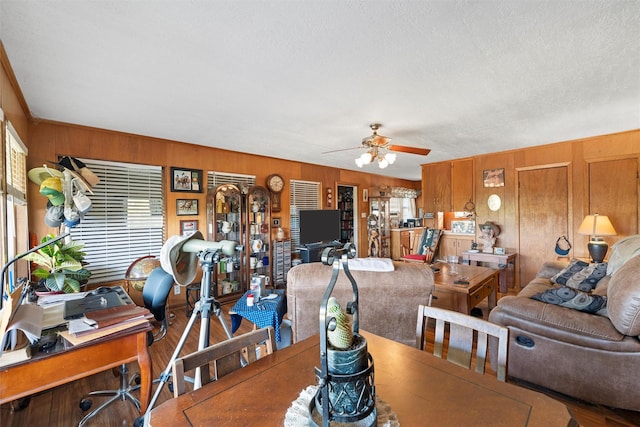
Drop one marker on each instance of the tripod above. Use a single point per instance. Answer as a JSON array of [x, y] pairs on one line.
[[205, 306]]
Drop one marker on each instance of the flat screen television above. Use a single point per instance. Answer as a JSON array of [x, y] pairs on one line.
[[319, 226]]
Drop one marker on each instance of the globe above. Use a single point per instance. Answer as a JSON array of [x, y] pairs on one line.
[[139, 270]]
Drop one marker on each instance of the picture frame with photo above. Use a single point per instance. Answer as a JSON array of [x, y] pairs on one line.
[[188, 227], [186, 207], [186, 180], [493, 178]]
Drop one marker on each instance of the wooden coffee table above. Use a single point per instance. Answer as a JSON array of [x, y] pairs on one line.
[[462, 297]]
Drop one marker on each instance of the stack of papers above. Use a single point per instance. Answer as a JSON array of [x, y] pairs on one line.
[[100, 323]]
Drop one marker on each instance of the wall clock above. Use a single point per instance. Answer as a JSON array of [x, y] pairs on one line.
[[275, 184]]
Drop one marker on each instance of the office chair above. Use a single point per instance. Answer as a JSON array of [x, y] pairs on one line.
[[154, 294]]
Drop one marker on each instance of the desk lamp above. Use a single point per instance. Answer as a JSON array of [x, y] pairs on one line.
[[597, 226]]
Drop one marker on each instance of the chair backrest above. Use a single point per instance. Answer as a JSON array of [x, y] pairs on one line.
[[156, 292], [425, 244], [225, 357], [463, 330]]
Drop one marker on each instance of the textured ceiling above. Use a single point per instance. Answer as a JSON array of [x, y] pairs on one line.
[[294, 79]]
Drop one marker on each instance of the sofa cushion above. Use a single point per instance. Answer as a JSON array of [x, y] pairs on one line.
[[621, 251], [568, 297], [581, 275], [623, 296]]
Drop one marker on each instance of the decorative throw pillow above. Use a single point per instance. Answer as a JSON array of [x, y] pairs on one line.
[[581, 275], [565, 296]]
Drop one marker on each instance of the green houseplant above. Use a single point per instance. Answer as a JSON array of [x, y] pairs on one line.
[[60, 265]]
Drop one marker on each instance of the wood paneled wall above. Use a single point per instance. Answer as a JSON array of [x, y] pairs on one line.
[[577, 155]]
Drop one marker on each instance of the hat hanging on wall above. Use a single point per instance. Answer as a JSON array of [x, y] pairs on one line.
[[80, 171], [38, 175], [562, 246]]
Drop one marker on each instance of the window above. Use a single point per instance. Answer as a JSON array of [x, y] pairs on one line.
[[215, 179], [304, 195], [126, 220], [13, 213]]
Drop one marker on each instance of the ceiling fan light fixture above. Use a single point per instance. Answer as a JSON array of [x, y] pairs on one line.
[[359, 162], [382, 163], [366, 158], [390, 157]]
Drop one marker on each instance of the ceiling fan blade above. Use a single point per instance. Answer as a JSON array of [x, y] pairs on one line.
[[342, 149], [410, 150]]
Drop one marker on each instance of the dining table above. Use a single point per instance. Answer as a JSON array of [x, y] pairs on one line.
[[419, 388]]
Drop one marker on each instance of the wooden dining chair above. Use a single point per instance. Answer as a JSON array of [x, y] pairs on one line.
[[463, 330], [423, 246], [224, 356]]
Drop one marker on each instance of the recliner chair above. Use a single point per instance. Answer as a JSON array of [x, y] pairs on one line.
[[154, 295]]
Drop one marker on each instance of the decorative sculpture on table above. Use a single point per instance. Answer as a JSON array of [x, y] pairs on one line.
[[346, 390], [488, 238]]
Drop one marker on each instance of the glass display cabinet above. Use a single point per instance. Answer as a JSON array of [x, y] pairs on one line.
[[259, 232], [379, 231], [226, 221]]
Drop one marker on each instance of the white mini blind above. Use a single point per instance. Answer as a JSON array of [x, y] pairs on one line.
[[214, 179], [304, 195], [16, 166], [126, 220]]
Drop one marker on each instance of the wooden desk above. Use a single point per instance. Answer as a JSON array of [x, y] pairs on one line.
[[503, 261], [45, 371], [419, 387], [483, 283]]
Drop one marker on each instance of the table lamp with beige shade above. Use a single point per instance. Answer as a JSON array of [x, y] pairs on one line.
[[596, 226]]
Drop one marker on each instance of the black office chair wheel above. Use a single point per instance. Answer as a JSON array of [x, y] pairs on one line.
[[170, 385], [85, 404], [136, 379], [139, 422]]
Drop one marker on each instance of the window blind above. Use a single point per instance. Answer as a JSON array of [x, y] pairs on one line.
[[303, 195], [214, 179], [126, 220]]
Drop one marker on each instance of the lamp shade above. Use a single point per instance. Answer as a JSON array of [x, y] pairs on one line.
[[597, 225]]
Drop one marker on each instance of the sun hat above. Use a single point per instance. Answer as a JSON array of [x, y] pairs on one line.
[[80, 171], [492, 226], [52, 188], [183, 266], [37, 175], [54, 215]]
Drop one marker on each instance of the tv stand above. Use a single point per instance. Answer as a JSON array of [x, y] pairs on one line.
[[313, 252]]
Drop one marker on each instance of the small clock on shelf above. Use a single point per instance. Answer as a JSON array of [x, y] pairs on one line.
[[275, 184]]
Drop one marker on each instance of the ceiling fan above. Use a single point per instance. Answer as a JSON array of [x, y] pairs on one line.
[[378, 147]]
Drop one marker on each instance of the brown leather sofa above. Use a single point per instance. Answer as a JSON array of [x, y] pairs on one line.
[[593, 357], [388, 300]]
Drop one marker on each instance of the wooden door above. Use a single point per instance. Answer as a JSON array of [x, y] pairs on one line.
[[613, 191], [543, 216]]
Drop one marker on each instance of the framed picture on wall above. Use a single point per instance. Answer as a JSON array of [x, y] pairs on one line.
[[187, 228], [186, 207], [493, 177], [186, 180]]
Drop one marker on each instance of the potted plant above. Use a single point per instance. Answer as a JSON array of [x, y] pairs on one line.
[[60, 265]]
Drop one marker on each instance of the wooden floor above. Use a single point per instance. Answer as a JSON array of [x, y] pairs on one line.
[[59, 407]]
